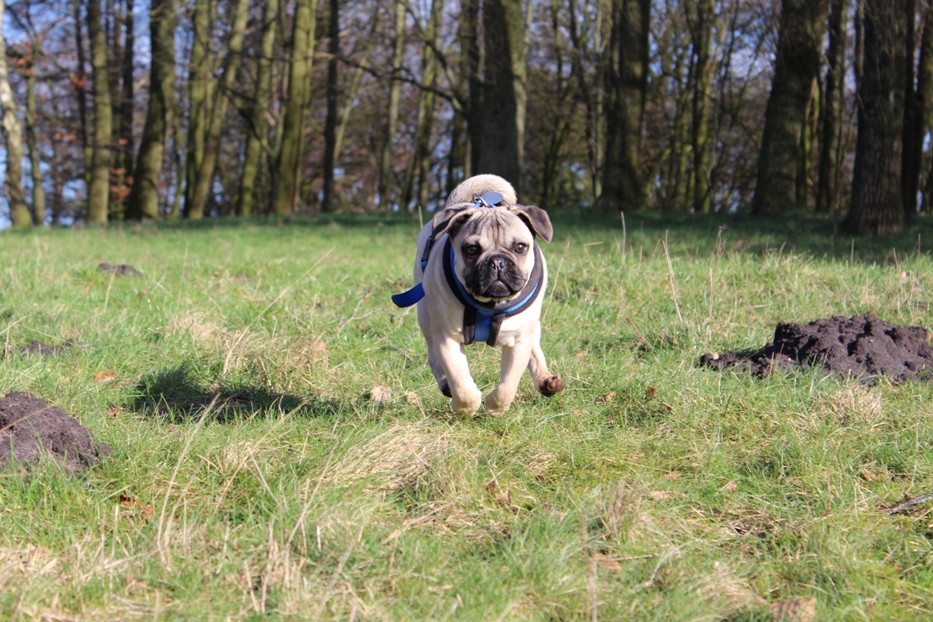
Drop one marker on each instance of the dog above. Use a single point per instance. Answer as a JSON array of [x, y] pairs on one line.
[[480, 276]]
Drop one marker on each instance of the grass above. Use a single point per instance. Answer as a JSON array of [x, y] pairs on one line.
[[253, 474]]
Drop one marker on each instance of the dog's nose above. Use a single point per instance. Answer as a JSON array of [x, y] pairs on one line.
[[498, 265]]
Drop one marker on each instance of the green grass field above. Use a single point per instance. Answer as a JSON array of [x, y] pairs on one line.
[[252, 474]]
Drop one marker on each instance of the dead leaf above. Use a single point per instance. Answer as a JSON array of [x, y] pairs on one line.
[[491, 485], [662, 495], [651, 392], [412, 399], [730, 487], [380, 394], [870, 476], [105, 376], [606, 398], [672, 475], [113, 411], [609, 564], [135, 504], [798, 610]]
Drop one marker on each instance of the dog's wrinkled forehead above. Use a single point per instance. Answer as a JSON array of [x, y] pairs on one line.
[[497, 224]]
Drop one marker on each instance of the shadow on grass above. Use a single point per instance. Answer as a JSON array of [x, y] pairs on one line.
[[175, 396]]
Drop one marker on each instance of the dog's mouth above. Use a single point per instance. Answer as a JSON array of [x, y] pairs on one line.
[[497, 291]]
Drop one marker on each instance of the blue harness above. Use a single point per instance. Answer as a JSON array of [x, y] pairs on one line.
[[481, 320]]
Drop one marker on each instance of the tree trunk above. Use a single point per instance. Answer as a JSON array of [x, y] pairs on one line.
[[395, 89], [38, 192], [288, 177], [199, 92], [877, 204], [124, 111], [330, 121], [925, 94], [912, 154], [80, 83], [831, 130], [796, 65], [143, 201], [257, 141], [13, 137], [627, 84], [99, 192], [805, 150], [231, 64], [701, 37], [497, 150]]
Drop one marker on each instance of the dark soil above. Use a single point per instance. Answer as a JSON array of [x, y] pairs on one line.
[[864, 346], [31, 429], [120, 269], [40, 348]]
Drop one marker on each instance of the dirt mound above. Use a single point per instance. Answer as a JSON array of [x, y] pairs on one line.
[[40, 348], [31, 429], [120, 269], [864, 346]]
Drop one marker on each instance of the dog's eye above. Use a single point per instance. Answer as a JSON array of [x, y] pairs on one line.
[[520, 248], [471, 249]]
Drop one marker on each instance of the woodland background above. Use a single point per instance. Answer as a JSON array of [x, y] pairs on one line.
[[127, 110]]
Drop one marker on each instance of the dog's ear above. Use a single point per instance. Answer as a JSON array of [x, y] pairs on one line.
[[452, 218], [536, 219]]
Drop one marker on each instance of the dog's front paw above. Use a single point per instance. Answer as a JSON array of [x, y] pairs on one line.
[[550, 386], [466, 403]]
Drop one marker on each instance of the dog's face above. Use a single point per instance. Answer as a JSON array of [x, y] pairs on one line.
[[493, 247]]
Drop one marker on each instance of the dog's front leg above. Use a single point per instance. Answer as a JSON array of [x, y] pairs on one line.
[[465, 395], [514, 361]]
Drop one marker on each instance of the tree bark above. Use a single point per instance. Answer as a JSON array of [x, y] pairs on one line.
[[796, 66], [877, 204], [912, 154], [13, 137], [831, 113], [258, 139], [925, 93], [231, 64], [80, 82], [38, 192], [123, 108], [98, 199], [288, 178], [330, 121], [386, 184], [199, 93], [701, 36], [143, 201], [497, 150], [627, 86]]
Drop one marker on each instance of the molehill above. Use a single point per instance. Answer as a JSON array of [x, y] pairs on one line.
[[864, 346]]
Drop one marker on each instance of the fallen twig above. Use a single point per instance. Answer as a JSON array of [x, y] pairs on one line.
[[910, 503]]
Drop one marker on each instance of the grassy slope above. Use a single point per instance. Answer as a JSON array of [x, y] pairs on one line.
[[649, 489]]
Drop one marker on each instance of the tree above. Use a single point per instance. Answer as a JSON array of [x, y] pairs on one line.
[[496, 139], [288, 171], [98, 196], [32, 140], [627, 84], [701, 33], [330, 123], [796, 66], [200, 66], [13, 136], [257, 141], [143, 201], [877, 205], [831, 112], [384, 189], [218, 110]]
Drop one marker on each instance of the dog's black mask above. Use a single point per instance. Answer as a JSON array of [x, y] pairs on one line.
[[496, 276]]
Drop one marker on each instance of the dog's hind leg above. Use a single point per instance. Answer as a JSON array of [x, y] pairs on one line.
[[547, 383]]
